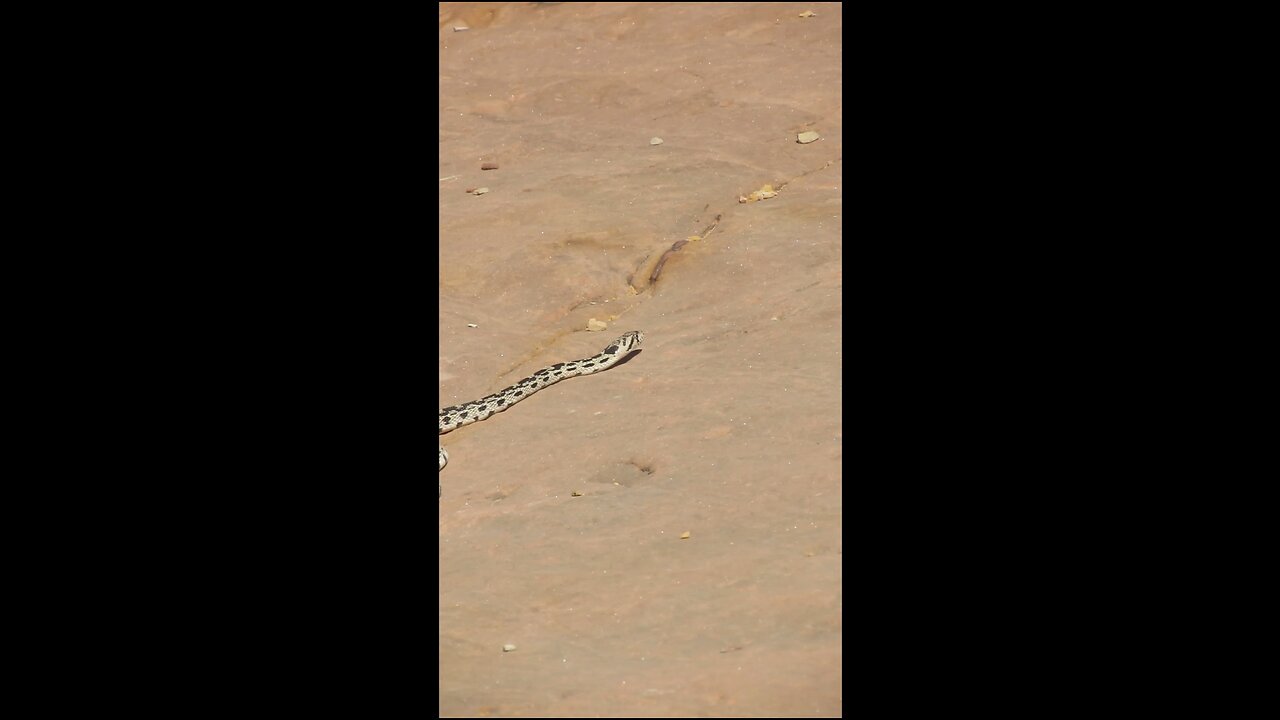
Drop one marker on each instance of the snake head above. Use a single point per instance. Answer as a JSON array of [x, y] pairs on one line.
[[625, 344]]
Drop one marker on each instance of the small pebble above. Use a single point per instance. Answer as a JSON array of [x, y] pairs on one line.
[[475, 325], [575, 493], [594, 325], [805, 138], [508, 647], [460, 28], [479, 191], [489, 166], [655, 141], [684, 535]]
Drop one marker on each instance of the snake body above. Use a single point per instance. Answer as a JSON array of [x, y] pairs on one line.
[[455, 416]]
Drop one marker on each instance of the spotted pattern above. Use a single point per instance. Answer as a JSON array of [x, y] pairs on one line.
[[455, 416]]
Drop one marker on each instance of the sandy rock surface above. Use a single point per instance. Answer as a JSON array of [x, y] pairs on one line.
[[725, 426]]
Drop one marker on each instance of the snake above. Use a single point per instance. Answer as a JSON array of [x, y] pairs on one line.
[[456, 416]]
